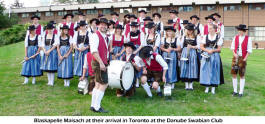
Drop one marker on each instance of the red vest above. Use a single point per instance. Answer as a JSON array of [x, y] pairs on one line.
[[102, 48], [143, 28], [178, 20], [206, 29], [38, 30], [117, 43], [54, 31], [71, 30], [89, 60], [127, 30], [244, 45], [136, 41], [154, 65]]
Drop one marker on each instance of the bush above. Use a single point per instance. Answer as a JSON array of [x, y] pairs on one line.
[[13, 35]]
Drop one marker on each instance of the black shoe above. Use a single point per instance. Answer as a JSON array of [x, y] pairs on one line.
[[101, 110], [234, 94], [92, 108], [159, 94], [240, 95]]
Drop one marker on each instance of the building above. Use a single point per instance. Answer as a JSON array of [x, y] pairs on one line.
[[234, 12]]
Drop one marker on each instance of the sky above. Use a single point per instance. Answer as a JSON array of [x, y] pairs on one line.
[[27, 3]]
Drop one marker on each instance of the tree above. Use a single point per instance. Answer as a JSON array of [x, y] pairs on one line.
[[5, 21]]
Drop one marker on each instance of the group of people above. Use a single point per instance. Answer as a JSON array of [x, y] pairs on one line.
[[179, 50]]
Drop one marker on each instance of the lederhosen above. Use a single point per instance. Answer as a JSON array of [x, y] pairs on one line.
[[241, 64], [133, 89]]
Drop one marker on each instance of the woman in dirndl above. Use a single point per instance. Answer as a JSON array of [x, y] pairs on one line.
[[64, 49], [189, 61], [210, 70], [169, 52], [32, 61], [152, 37], [50, 59], [81, 46], [116, 43]]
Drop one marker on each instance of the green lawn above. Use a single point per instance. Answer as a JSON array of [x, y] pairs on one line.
[[40, 99]]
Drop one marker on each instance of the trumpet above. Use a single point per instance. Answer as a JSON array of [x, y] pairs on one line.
[[206, 55], [188, 53]]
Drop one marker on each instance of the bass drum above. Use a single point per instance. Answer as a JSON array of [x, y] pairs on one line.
[[121, 75]]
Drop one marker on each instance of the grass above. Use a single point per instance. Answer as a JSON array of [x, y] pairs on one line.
[[40, 99]]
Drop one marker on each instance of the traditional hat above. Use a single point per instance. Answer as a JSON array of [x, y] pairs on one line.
[[150, 25], [210, 17], [35, 16], [94, 19], [104, 20], [31, 27], [82, 23], [146, 52], [157, 14], [148, 18], [81, 13], [69, 14], [130, 44], [195, 16], [127, 15], [170, 21], [174, 11], [169, 28], [65, 27], [133, 16], [119, 27], [135, 24], [190, 27], [241, 27], [114, 13], [53, 22], [49, 26], [142, 11], [216, 14], [185, 22]]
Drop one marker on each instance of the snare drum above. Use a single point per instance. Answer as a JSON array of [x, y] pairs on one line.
[[121, 75]]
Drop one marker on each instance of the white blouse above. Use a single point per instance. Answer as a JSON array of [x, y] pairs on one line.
[[33, 38]]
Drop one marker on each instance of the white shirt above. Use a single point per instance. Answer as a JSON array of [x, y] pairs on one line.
[[138, 61], [68, 24], [94, 42], [159, 59], [222, 29], [39, 40], [41, 32], [180, 41], [163, 41], [157, 40], [57, 40], [142, 38], [111, 38], [241, 39], [219, 42]]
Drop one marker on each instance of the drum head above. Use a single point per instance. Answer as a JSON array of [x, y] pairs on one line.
[[127, 76]]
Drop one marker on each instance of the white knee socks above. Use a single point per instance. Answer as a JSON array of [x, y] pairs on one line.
[[33, 80], [206, 90], [147, 89], [191, 85], [242, 85], [158, 89], [65, 82], [213, 90], [26, 80], [52, 79], [49, 78], [137, 82], [93, 100], [172, 86], [99, 95], [235, 84], [186, 85]]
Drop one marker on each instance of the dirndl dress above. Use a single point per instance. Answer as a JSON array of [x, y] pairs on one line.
[[189, 69], [31, 68], [50, 63], [82, 41], [65, 69]]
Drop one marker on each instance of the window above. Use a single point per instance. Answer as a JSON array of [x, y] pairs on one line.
[[146, 9], [106, 11], [62, 13], [257, 33], [126, 11], [91, 12], [185, 8], [256, 6], [230, 32], [25, 15], [38, 14], [48, 13], [208, 8], [232, 7], [159, 9], [75, 12]]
